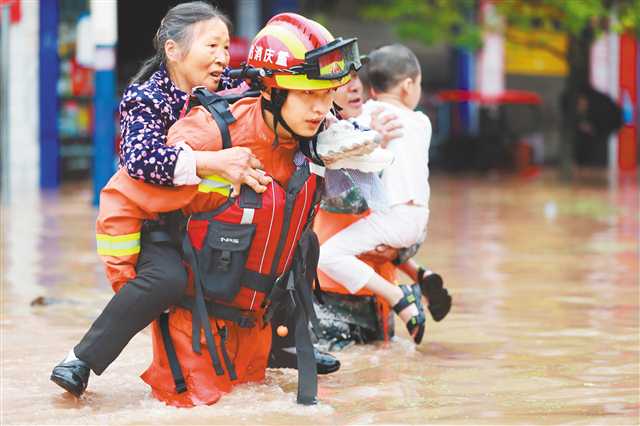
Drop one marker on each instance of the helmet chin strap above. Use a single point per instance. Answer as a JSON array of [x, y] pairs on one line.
[[274, 106]]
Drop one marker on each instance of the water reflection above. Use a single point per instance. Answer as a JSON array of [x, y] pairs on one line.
[[544, 328]]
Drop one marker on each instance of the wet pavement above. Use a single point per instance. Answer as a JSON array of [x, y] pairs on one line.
[[544, 327]]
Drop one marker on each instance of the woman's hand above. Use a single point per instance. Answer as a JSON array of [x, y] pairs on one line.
[[236, 164], [387, 125]]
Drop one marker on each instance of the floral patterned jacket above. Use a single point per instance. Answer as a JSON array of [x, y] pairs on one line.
[[147, 111]]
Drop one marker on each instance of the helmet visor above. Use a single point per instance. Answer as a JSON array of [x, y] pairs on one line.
[[333, 61]]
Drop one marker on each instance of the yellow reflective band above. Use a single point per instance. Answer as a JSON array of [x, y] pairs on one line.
[[286, 37], [215, 184], [302, 82], [118, 245]]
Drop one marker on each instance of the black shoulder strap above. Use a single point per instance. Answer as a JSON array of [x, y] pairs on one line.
[[218, 107], [174, 364]]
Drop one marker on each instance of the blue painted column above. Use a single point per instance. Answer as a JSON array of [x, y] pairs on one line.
[[104, 134], [105, 28], [465, 80], [48, 96]]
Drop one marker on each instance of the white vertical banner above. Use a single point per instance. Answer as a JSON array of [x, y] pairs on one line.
[[604, 77], [600, 70], [23, 154], [85, 45], [105, 22], [613, 62], [605, 64], [490, 65]]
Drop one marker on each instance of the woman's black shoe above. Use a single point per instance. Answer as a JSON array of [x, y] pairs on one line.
[[72, 376], [286, 358]]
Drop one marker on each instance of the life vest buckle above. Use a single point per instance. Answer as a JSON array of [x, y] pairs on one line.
[[222, 331], [224, 261], [246, 322]]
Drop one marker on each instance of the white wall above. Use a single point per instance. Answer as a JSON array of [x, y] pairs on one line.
[[22, 223], [24, 150]]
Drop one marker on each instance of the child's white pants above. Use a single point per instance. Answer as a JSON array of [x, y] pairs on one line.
[[399, 226]]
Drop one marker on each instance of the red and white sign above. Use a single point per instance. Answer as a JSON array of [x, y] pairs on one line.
[[14, 11]]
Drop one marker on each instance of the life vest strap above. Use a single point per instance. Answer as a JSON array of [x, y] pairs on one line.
[[222, 332], [249, 199], [174, 364], [168, 228], [303, 272], [293, 290], [220, 311], [156, 236], [257, 281], [200, 318], [295, 185], [218, 107]]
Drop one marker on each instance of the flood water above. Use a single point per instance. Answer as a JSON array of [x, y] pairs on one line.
[[544, 327]]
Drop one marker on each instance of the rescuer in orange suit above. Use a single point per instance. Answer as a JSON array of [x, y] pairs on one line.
[[248, 246]]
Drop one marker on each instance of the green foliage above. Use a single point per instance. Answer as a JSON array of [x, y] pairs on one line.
[[629, 16], [429, 21], [456, 21]]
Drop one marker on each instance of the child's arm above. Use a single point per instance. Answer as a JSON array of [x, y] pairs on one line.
[[386, 123]]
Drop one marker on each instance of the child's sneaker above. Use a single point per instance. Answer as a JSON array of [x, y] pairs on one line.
[[345, 146], [343, 140]]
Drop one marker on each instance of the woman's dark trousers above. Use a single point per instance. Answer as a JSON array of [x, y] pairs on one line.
[[160, 282]]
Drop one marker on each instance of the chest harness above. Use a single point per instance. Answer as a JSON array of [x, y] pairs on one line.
[[254, 252]]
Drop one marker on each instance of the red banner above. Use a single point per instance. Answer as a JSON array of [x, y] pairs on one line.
[[628, 135], [14, 12]]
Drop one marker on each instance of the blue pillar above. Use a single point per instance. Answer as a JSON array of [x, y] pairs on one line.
[[465, 80], [105, 35], [104, 134], [48, 96]]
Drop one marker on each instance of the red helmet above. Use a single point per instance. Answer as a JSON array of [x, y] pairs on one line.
[[300, 54]]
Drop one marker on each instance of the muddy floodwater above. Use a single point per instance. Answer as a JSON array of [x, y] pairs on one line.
[[544, 327]]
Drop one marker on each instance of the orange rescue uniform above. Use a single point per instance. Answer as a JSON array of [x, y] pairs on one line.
[[125, 203]]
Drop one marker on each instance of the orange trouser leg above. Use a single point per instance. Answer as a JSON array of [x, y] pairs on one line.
[[248, 348]]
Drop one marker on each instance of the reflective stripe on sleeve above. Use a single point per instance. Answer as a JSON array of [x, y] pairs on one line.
[[118, 245], [215, 184]]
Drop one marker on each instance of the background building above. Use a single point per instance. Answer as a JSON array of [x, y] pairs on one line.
[[63, 73]]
